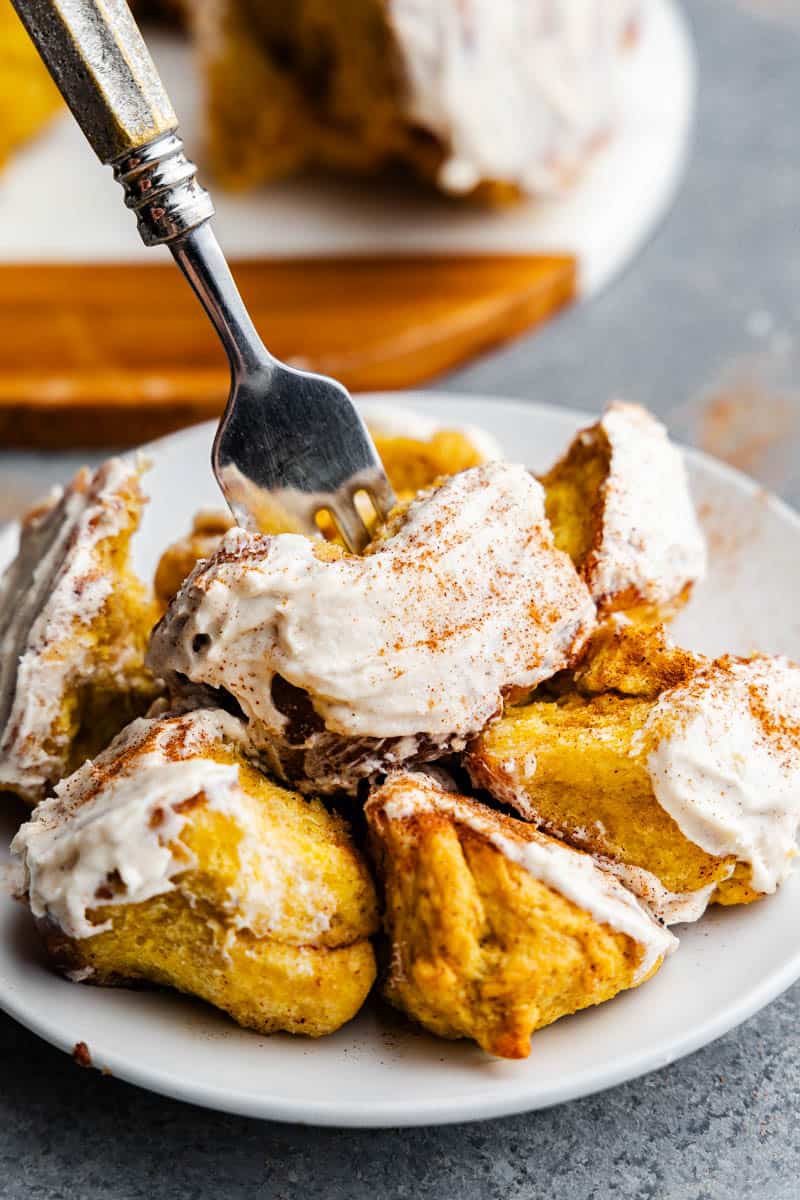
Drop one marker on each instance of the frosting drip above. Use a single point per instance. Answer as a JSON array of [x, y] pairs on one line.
[[671, 908]]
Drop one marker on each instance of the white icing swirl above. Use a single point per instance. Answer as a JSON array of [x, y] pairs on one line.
[[466, 600], [516, 92], [572, 874], [724, 760]]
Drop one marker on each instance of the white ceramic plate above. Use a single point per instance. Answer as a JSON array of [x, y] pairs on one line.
[[603, 221], [378, 1071]]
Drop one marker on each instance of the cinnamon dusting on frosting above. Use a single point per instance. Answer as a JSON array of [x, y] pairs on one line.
[[467, 599], [723, 751]]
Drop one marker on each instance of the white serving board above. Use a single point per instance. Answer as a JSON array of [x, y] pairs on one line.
[[58, 204]]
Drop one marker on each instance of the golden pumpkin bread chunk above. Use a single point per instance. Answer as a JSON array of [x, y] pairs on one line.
[[683, 774], [620, 506], [172, 861], [74, 624], [497, 930], [417, 450]]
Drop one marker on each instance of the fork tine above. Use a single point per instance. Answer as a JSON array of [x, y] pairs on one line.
[[350, 524], [381, 494]]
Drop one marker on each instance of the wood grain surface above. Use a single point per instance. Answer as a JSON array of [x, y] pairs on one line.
[[113, 354]]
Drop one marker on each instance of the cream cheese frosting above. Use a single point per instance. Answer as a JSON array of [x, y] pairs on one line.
[[121, 816], [467, 599], [649, 542], [515, 92], [671, 908], [575, 875], [723, 752], [49, 596]]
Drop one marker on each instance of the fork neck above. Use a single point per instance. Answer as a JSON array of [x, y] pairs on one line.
[[199, 256]]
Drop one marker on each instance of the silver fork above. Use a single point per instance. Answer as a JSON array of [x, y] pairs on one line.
[[291, 445]]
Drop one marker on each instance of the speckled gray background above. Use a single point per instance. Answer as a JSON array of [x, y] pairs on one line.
[[701, 328]]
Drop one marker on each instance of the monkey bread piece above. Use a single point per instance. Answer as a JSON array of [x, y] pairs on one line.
[[497, 930], [632, 658], [417, 451], [687, 782], [74, 624], [170, 860], [620, 506], [348, 666]]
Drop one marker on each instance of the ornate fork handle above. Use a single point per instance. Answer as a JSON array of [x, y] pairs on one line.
[[103, 69], [100, 64]]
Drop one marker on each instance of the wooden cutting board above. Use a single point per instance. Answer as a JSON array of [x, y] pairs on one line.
[[114, 355]]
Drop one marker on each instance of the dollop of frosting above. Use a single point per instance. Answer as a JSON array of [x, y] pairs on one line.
[[649, 543], [465, 600], [111, 834], [49, 596], [572, 874], [515, 92], [723, 752]]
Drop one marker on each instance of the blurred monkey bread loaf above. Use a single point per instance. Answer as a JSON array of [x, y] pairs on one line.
[[488, 99]]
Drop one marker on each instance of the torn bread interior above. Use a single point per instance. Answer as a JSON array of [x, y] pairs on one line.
[[495, 929]]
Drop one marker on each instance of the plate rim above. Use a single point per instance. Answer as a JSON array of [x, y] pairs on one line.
[[470, 1107]]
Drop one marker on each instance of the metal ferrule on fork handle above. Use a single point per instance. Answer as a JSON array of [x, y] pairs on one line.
[[161, 187], [101, 66]]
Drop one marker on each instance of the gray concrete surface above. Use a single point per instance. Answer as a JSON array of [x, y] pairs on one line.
[[701, 328]]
